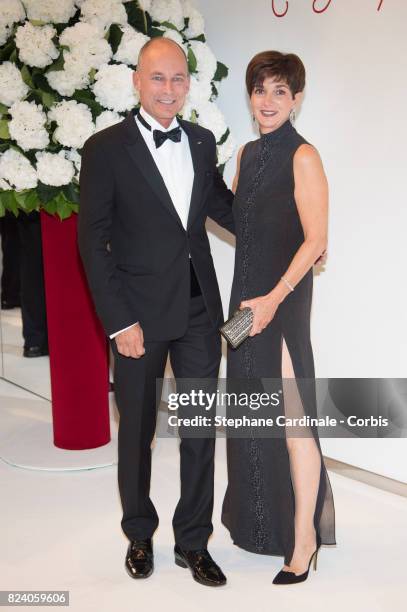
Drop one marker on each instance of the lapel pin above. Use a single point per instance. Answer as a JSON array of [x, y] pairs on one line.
[[199, 142]]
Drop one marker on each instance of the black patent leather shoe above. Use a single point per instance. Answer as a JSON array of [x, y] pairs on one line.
[[203, 568], [35, 351], [140, 558]]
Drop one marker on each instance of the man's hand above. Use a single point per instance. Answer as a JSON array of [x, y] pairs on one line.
[[130, 342]]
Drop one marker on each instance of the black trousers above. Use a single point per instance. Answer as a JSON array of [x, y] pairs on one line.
[[196, 354], [10, 246], [33, 307]]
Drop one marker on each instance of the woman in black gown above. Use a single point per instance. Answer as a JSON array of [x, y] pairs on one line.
[[279, 499]]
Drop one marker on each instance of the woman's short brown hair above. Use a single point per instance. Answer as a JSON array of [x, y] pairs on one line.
[[286, 67]]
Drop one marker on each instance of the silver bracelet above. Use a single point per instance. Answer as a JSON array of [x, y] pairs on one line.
[[287, 283]]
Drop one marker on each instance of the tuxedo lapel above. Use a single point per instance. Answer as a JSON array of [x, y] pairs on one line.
[[198, 161], [141, 156]]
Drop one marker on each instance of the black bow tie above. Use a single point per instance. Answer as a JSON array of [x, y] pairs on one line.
[[159, 136]]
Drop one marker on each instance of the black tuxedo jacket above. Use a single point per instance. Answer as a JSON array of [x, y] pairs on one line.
[[133, 245]]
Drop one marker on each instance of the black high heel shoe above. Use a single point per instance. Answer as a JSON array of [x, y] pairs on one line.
[[284, 577]]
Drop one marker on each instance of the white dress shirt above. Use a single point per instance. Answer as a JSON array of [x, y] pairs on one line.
[[174, 162]]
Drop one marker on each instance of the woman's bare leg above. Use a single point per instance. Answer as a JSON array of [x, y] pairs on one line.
[[305, 466]]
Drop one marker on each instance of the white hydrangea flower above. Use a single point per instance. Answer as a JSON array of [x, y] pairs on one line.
[[199, 92], [175, 36], [206, 61], [73, 156], [67, 81], [54, 169], [196, 23], [145, 5], [102, 13], [168, 10], [26, 126], [76, 159], [88, 48], [12, 86], [130, 45], [74, 121], [50, 11], [11, 12], [106, 119], [211, 117], [16, 169], [113, 87], [35, 44], [4, 184], [226, 150]]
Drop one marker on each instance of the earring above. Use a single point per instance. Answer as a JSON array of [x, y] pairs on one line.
[[292, 116]]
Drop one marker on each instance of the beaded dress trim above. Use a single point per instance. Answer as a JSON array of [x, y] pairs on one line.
[[266, 155]]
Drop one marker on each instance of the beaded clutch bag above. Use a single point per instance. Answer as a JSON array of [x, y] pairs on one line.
[[236, 329]]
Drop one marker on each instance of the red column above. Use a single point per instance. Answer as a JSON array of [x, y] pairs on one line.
[[77, 343]]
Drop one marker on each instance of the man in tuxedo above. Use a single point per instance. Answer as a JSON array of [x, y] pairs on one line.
[[147, 185]]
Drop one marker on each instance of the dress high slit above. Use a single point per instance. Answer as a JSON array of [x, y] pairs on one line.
[[259, 504]]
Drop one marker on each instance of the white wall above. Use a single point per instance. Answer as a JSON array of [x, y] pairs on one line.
[[353, 112]]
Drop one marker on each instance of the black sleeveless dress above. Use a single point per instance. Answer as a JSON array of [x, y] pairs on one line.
[[259, 504]]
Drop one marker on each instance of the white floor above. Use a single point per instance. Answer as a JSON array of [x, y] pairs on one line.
[[61, 530]]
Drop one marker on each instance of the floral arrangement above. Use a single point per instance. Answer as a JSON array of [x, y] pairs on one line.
[[66, 72]]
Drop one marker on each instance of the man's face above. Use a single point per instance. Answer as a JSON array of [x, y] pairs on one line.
[[162, 81]]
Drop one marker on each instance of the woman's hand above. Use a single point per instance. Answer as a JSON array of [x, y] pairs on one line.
[[264, 309]]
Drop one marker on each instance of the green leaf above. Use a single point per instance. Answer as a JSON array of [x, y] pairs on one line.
[[50, 207], [222, 72], [201, 38], [194, 117], [86, 96], [192, 62], [28, 199], [26, 76], [32, 201], [10, 202], [115, 36], [155, 33], [169, 25], [71, 193], [6, 199], [4, 133], [37, 22], [64, 211], [40, 81], [224, 137], [13, 57], [7, 50], [48, 99], [3, 109], [35, 95], [58, 64], [136, 16], [47, 193], [2, 209], [92, 73]]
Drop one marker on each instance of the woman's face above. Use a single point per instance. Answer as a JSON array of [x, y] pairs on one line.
[[272, 103]]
